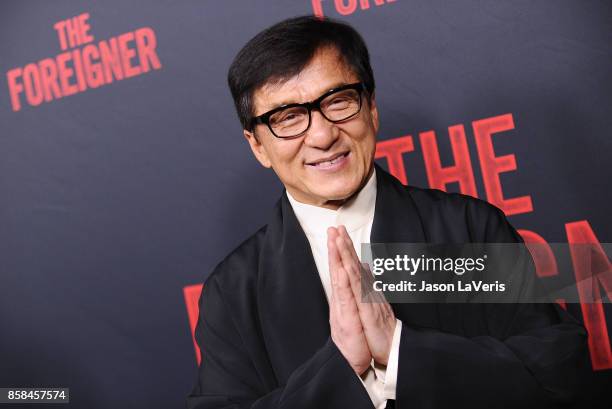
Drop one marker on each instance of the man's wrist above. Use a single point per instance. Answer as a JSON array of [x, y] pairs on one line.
[[390, 382], [391, 330]]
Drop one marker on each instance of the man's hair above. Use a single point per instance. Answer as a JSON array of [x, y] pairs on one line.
[[281, 51]]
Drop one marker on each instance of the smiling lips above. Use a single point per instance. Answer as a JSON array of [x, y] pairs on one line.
[[330, 162]]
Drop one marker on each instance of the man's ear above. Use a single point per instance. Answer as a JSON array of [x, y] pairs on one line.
[[373, 111], [258, 149]]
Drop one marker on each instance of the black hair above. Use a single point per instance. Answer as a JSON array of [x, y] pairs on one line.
[[283, 50]]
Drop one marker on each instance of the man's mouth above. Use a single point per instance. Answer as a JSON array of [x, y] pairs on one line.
[[330, 161]]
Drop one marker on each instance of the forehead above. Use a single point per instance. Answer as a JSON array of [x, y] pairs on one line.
[[326, 70]]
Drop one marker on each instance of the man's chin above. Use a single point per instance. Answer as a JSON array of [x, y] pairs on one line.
[[339, 195]]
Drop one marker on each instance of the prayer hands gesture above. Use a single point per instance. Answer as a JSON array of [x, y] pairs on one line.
[[362, 331]]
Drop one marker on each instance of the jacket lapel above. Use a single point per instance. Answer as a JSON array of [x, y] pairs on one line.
[[397, 220], [293, 308]]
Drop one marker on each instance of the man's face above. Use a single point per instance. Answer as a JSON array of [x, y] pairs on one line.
[[300, 162]]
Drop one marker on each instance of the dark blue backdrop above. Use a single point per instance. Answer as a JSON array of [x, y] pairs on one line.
[[114, 199]]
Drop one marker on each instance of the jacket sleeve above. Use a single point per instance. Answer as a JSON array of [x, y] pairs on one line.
[[532, 355], [230, 376]]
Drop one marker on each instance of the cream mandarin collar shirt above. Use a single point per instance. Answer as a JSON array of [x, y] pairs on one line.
[[357, 215]]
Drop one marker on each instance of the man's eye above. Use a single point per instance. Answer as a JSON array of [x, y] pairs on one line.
[[287, 118], [339, 100], [339, 103]]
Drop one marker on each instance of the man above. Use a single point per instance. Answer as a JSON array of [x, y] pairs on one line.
[[282, 324]]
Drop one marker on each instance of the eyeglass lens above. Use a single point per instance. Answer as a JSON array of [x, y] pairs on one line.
[[335, 107]]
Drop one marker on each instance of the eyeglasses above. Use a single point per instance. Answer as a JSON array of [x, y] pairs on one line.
[[291, 120]]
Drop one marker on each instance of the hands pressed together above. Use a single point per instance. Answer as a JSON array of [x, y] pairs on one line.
[[362, 331]]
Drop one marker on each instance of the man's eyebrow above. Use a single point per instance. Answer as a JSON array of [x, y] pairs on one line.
[[269, 107]]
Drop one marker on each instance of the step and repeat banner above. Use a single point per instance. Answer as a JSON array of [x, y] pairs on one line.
[[125, 178]]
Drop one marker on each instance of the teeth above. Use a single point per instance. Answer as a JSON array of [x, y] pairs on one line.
[[328, 163]]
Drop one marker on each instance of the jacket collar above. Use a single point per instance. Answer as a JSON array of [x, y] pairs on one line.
[[396, 218]]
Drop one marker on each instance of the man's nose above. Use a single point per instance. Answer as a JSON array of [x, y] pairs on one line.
[[322, 133]]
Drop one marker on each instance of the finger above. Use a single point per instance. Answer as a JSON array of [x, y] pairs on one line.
[[345, 298], [375, 310], [341, 289], [348, 257], [345, 305], [376, 315], [337, 269], [351, 266], [367, 284], [334, 265], [344, 292], [332, 311], [334, 261], [351, 261], [344, 234], [368, 312]]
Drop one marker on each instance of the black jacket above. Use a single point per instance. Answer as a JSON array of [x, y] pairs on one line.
[[264, 331]]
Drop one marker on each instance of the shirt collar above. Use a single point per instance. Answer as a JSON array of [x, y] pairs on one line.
[[354, 214]]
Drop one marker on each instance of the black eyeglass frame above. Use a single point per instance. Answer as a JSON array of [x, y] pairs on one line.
[[316, 104]]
